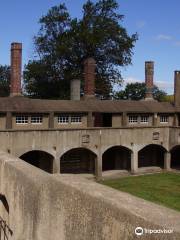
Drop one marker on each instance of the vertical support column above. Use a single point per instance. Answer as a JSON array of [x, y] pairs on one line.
[[8, 120], [56, 165], [90, 122], [155, 120], [176, 121], [51, 120], [167, 161], [124, 119], [134, 162], [98, 167]]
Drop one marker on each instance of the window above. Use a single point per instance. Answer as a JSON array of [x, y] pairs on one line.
[[76, 119], [133, 119], [63, 119], [21, 119], [36, 119], [144, 119], [164, 119]]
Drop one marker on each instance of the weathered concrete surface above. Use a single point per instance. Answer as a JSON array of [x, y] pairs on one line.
[[55, 207]]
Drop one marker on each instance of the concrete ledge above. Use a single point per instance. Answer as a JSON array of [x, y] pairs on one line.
[[44, 206]]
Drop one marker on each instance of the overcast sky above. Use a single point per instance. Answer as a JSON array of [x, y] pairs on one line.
[[156, 22]]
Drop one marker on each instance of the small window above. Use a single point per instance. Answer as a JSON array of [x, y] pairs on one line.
[[21, 119], [164, 119], [76, 119], [144, 119], [133, 119], [36, 119], [63, 119]]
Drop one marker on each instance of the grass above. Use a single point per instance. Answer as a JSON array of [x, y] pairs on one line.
[[161, 188]]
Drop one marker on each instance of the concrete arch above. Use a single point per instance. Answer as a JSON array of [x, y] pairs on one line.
[[151, 155], [78, 160], [111, 146], [19, 152], [116, 158], [175, 157], [40, 159]]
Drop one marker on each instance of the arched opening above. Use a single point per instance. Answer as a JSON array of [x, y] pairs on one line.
[[175, 157], [40, 159], [78, 160], [116, 158], [151, 155]]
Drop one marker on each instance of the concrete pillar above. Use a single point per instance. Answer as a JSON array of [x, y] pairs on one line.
[[98, 167], [51, 120], [124, 119], [134, 162], [16, 63], [167, 160], [149, 72], [176, 120], [75, 89], [177, 88], [8, 120], [155, 120], [89, 77], [56, 165], [90, 120]]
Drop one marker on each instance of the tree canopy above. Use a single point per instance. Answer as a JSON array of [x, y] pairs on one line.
[[63, 43], [4, 80], [136, 91]]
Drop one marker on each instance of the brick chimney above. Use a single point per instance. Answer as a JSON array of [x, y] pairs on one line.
[[89, 76], [149, 72], [75, 89], [16, 63], [177, 88]]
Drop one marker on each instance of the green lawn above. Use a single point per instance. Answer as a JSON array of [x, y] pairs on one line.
[[161, 188]]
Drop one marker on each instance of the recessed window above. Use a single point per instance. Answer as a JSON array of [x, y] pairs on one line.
[[164, 119], [36, 119], [144, 119], [76, 119], [21, 119], [133, 119], [63, 119]]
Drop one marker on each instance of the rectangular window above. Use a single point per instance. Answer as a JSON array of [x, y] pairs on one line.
[[63, 119], [133, 119], [164, 119], [21, 119], [36, 119], [144, 119], [76, 119]]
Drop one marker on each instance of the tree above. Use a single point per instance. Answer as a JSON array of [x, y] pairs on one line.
[[137, 91], [4, 80], [63, 43]]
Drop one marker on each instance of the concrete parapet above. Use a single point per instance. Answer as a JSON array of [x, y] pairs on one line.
[[44, 206]]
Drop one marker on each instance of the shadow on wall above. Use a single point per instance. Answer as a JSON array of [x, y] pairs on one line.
[[5, 230]]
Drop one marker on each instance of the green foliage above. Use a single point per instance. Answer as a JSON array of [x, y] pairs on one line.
[[63, 43], [162, 188], [4, 81], [136, 91]]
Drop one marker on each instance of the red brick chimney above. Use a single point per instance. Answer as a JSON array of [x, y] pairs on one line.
[[16, 63], [89, 76], [177, 88], [149, 72]]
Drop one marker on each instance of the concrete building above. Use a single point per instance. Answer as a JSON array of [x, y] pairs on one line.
[[90, 135]]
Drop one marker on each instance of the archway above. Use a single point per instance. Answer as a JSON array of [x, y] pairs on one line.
[[117, 157], [78, 160], [151, 155], [40, 159], [175, 157]]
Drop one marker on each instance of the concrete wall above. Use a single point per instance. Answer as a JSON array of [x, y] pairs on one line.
[[45, 207]]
